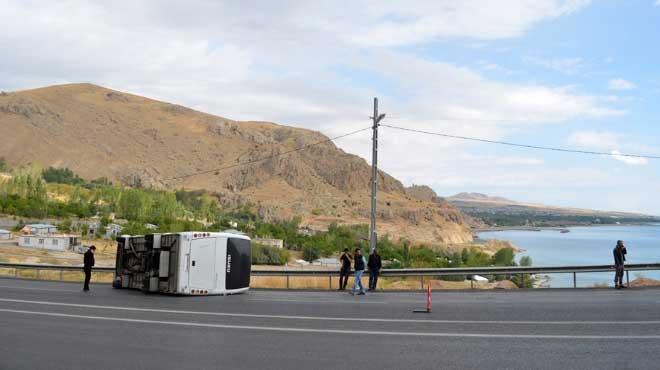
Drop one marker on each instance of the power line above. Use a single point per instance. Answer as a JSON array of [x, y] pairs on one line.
[[466, 119], [523, 145], [269, 157]]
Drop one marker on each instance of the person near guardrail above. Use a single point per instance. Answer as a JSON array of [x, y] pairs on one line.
[[87, 267], [375, 265], [360, 263], [619, 260], [345, 271]]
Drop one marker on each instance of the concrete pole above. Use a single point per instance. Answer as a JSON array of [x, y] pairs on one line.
[[373, 237]]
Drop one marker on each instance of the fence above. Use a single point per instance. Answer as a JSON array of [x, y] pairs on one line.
[[105, 274]]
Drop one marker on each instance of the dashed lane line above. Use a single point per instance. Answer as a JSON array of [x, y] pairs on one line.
[[338, 331], [328, 318]]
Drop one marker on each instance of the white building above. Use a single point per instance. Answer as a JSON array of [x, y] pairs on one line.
[[277, 243], [112, 231], [93, 227], [50, 242], [39, 229], [5, 234]]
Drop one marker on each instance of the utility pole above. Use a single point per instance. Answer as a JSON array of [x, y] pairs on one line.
[[373, 237]]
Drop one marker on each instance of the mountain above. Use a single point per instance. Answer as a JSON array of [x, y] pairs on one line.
[[98, 132], [498, 211], [478, 197]]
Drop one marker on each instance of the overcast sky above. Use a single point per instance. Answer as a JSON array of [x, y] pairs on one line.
[[570, 73]]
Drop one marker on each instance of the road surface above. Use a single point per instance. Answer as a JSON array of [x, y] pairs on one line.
[[53, 325]]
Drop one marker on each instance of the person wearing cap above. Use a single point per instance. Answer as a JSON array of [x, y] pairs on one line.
[[88, 264]]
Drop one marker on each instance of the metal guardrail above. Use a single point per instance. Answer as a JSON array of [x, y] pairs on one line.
[[421, 273]]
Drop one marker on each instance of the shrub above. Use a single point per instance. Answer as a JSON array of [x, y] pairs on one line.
[[265, 255]]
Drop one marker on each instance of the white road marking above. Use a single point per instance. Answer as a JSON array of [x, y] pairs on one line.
[[322, 318], [338, 331]]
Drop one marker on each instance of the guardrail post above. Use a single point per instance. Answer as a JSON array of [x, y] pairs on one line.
[[627, 279], [472, 283], [330, 282], [15, 272], [522, 280], [61, 275], [38, 274], [574, 279], [421, 279], [287, 281]]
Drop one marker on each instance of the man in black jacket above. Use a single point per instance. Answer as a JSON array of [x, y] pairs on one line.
[[374, 269], [88, 264], [619, 260], [345, 260]]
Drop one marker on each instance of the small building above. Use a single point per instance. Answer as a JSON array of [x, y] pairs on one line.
[[53, 242], [5, 234], [277, 243], [39, 229], [112, 231], [306, 231], [93, 227]]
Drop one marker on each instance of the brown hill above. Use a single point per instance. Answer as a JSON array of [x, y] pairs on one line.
[[100, 132]]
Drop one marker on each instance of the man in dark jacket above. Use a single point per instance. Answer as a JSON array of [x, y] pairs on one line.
[[345, 271], [88, 264], [619, 260], [374, 269]]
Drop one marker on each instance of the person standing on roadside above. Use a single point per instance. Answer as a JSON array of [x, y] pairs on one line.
[[374, 269], [345, 271], [360, 263], [619, 260], [88, 264]]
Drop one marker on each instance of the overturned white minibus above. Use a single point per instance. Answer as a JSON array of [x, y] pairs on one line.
[[187, 263]]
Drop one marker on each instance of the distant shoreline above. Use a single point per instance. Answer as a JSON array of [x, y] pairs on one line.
[[557, 228]]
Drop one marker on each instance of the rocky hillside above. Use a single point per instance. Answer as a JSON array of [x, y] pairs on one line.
[[100, 132]]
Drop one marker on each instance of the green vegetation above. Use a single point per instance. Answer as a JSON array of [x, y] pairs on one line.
[[3, 165], [265, 255], [27, 194], [533, 219], [61, 176], [62, 194]]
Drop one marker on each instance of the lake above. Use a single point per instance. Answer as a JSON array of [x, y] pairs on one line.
[[585, 246]]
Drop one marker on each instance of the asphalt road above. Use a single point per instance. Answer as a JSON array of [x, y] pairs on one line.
[[52, 325]]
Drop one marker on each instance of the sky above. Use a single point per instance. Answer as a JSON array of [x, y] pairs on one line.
[[570, 73]]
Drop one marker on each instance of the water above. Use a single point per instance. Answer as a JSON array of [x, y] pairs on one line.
[[585, 246]]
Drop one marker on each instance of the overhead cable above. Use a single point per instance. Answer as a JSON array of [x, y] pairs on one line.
[[528, 146]]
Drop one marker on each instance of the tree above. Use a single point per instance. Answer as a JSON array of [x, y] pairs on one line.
[[525, 261], [504, 257], [61, 176], [65, 225], [310, 254]]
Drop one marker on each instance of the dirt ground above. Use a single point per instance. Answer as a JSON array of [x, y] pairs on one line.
[[10, 252]]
